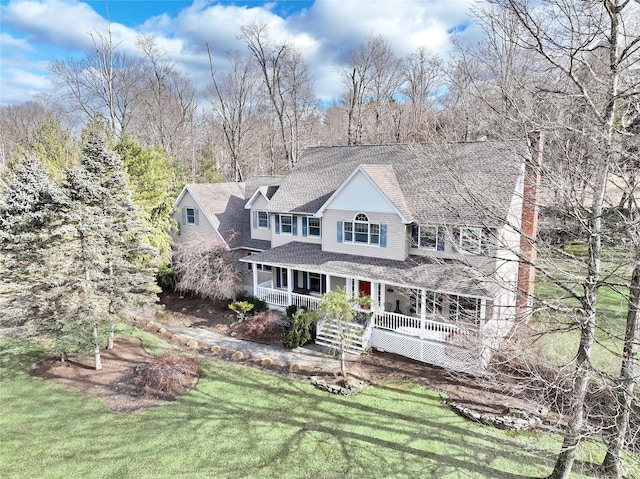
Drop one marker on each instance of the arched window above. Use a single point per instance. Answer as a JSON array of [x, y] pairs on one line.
[[361, 231]]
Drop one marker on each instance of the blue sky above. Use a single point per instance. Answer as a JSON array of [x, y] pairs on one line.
[[34, 32]]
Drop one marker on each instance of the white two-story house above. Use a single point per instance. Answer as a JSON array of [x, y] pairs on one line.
[[439, 236]]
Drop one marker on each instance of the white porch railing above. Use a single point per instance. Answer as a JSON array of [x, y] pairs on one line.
[[399, 323], [427, 329], [354, 337], [272, 296], [279, 297], [302, 300]]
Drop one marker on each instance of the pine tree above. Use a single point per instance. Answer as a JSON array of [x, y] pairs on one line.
[[30, 206], [102, 261]]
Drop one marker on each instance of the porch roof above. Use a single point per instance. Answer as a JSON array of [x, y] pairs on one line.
[[434, 274]]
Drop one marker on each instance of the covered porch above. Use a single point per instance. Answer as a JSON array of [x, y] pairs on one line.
[[416, 308]]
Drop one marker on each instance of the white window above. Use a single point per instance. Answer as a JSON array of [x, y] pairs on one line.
[[189, 216], [286, 224], [315, 283], [263, 219], [348, 232], [429, 237], [361, 231], [471, 240], [314, 227], [463, 308]]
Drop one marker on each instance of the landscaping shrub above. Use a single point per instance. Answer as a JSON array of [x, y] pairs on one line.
[[264, 327], [166, 277], [259, 306], [242, 309], [167, 376], [292, 308], [301, 328]]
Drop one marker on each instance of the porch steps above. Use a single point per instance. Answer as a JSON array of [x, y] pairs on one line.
[[329, 333]]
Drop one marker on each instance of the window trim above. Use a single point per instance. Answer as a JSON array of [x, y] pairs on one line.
[[350, 230], [266, 220], [290, 225], [190, 219], [465, 233], [309, 227], [315, 276]]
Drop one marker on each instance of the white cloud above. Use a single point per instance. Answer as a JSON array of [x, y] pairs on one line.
[[9, 42], [19, 86], [324, 33], [57, 22]]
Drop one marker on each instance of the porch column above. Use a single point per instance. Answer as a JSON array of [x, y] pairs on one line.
[[254, 271], [374, 291], [289, 286], [423, 307], [383, 295], [349, 287], [328, 282]]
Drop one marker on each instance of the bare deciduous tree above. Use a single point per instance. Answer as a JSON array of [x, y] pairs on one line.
[[234, 99], [206, 268], [423, 74], [287, 83], [589, 46], [168, 104], [105, 82]]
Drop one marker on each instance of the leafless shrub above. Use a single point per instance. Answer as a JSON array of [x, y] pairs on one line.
[[167, 376], [206, 268]]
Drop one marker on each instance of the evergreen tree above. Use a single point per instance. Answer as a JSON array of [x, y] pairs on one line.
[[102, 261], [155, 182], [30, 206]]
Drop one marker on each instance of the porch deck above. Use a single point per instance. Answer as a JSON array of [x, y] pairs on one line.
[[429, 328], [454, 346]]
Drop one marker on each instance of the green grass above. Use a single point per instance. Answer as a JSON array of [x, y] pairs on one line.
[[561, 347], [243, 423]]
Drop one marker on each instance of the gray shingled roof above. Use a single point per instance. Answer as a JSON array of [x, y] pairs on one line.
[[441, 275], [453, 183], [223, 204]]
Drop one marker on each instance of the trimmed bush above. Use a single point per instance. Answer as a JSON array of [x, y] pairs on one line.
[[301, 328], [259, 306], [242, 309]]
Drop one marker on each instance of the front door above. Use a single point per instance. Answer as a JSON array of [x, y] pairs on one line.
[[365, 290]]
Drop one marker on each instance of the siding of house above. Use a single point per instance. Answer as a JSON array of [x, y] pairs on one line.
[[203, 228], [361, 195], [506, 259], [259, 204], [281, 238], [396, 242]]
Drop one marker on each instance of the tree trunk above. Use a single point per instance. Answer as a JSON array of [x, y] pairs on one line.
[[97, 360], [612, 463], [343, 362], [110, 340], [566, 457]]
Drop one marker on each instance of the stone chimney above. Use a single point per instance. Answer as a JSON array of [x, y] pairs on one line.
[[529, 226]]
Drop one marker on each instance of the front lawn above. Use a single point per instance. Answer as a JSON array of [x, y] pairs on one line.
[[243, 423]]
